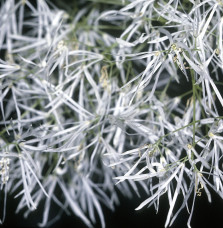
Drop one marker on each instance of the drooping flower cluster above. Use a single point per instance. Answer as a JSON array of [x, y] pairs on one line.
[[92, 98]]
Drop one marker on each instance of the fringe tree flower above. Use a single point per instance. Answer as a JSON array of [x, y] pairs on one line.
[[96, 101]]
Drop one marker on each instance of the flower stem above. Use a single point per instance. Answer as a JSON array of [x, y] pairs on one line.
[[194, 106]]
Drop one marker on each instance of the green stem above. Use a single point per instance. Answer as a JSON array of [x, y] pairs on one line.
[[194, 107], [181, 128]]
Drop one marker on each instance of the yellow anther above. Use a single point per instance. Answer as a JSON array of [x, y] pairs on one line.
[[199, 190], [211, 135], [104, 79], [217, 51], [157, 53], [189, 146], [174, 47]]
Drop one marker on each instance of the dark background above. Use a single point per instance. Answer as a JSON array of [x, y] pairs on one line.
[[205, 215]]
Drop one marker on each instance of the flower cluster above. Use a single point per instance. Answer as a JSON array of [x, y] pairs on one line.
[[93, 101]]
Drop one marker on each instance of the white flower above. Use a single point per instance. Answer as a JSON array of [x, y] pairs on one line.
[[98, 100]]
